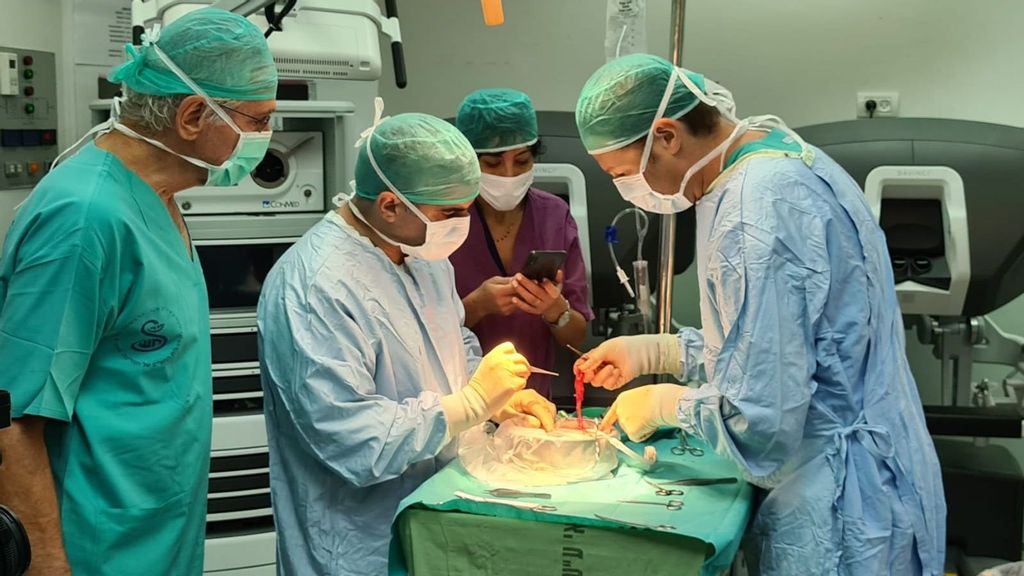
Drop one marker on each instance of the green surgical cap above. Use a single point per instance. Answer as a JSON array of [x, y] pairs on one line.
[[425, 158], [618, 103], [223, 53], [498, 119]]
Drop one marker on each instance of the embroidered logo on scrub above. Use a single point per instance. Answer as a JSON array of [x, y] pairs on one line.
[[152, 338], [155, 340]]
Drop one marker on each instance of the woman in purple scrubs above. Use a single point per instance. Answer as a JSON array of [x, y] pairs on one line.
[[509, 220]]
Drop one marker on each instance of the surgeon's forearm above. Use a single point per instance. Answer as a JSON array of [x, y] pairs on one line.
[[26, 487], [573, 333]]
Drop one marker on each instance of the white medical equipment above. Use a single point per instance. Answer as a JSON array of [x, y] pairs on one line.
[[289, 179]]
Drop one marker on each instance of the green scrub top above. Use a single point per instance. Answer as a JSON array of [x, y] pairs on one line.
[[104, 328], [776, 140]]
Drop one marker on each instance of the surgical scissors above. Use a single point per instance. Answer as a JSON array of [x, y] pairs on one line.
[[684, 447], [671, 505], [664, 527], [662, 491]]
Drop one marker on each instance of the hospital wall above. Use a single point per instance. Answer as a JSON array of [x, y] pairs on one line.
[[802, 60]]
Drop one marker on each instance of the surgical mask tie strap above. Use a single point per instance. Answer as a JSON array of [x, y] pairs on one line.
[[340, 198], [367, 134], [378, 117], [741, 128], [716, 96], [806, 152], [152, 35], [662, 106], [724, 105], [194, 87]]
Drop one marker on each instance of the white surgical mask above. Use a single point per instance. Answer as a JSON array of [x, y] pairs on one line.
[[442, 238], [505, 193], [636, 190]]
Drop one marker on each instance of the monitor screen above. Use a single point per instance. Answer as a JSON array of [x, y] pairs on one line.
[[913, 227], [235, 272]]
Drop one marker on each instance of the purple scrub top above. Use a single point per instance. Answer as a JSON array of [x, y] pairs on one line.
[[546, 225]]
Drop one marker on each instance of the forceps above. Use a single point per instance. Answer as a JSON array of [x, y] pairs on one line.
[[512, 503], [684, 447], [636, 524], [671, 505], [662, 491], [703, 481], [510, 493]]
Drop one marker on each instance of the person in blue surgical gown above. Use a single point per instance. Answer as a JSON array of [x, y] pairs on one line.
[[807, 387], [365, 360]]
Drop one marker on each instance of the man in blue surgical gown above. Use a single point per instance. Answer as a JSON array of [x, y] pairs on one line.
[[365, 360], [808, 387]]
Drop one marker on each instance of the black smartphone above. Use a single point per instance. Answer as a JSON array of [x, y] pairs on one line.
[[543, 264]]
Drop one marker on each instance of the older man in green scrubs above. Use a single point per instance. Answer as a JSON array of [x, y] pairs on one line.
[[104, 327]]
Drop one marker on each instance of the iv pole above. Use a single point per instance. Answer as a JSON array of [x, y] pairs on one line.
[[667, 245]]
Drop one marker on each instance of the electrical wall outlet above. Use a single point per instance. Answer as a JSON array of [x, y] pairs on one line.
[[887, 104]]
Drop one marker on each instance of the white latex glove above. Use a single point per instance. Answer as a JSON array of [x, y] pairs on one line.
[[534, 409], [618, 361], [641, 411], [502, 373]]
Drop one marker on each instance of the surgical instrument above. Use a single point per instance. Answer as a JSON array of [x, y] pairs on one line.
[[662, 491], [702, 481], [512, 503], [574, 350], [510, 493], [671, 505], [645, 462], [662, 527], [684, 447], [540, 371]]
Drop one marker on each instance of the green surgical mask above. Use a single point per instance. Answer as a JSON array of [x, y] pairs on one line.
[[249, 150]]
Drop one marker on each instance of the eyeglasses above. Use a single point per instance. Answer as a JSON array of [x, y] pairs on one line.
[[260, 123]]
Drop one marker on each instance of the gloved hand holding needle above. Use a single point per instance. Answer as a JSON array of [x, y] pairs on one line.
[[501, 374]]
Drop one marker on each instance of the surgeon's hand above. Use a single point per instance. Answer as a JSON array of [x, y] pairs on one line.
[[618, 361], [502, 373], [641, 411], [534, 410]]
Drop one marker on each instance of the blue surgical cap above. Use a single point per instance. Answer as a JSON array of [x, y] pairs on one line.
[[497, 119], [618, 104], [425, 158], [223, 53]]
